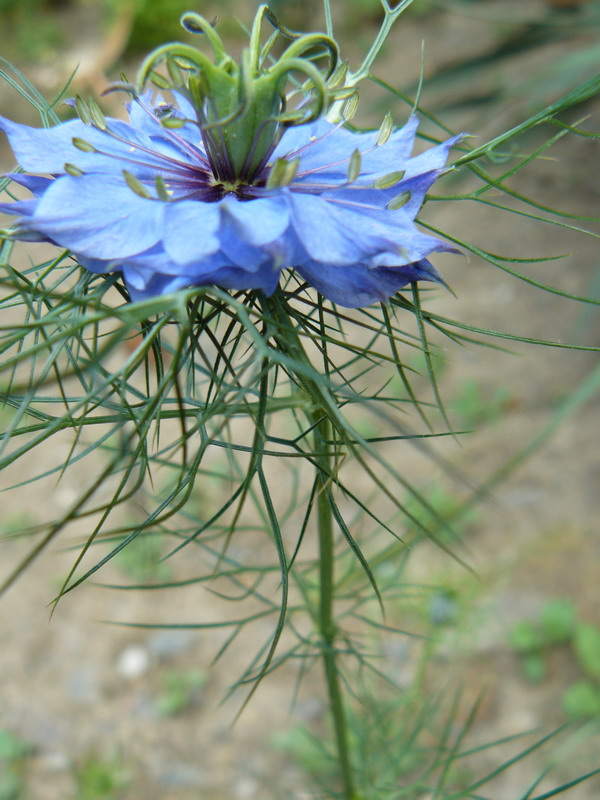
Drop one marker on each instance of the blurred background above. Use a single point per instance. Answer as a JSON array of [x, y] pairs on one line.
[[89, 710]]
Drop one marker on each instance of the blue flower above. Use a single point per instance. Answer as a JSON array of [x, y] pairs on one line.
[[178, 198], [186, 227]]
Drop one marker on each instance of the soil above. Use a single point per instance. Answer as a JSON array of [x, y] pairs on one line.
[[78, 689]]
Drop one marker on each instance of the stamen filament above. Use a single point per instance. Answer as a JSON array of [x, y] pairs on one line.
[[170, 170], [179, 164], [194, 152]]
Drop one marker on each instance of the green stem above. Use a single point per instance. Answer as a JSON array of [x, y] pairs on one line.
[[289, 342], [390, 15], [326, 618]]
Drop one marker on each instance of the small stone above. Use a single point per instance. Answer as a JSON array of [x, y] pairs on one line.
[[133, 662], [56, 761], [65, 496], [246, 789]]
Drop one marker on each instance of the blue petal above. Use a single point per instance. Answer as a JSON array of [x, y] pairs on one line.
[[48, 149], [24, 208], [190, 228], [265, 279], [319, 232], [98, 266], [35, 183], [321, 143], [238, 252], [98, 217], [360, 285], [183, 104], [432, 159], [258, 221], [351, 287], [228, 278], [157, 260], [141, 112], [324, 145], [340, 233], [394, 154], [156, 285], [169, 142], [149, 274], [416, 187]]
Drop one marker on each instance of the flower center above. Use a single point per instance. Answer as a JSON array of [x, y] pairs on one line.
[[220, 189]]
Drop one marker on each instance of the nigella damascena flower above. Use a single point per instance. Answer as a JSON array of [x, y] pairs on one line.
[[231, 189]]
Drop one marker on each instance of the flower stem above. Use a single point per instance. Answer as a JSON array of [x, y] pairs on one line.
[[326, 618], [289, 342]]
